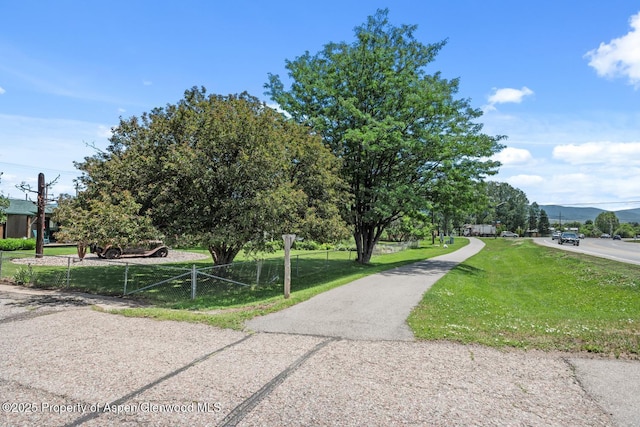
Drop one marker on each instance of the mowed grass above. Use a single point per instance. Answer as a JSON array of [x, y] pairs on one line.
[[228, 306], [519, 294], [232, 310]]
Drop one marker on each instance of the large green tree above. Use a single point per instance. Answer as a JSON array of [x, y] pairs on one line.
[[222, 171], [607, 222], [543, 223], [398, 130], [533, 216], [511, 205]]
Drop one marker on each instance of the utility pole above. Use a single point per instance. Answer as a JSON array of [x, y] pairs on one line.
[[40, 219], [560, 219], [43, 198]]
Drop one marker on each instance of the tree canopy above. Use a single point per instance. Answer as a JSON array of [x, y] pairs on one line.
[[607, 222], [399, 131], [222, 171], [511, 205], [105, 218]]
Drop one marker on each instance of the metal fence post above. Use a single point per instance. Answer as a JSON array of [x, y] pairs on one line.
[[126, 278], [68, 270], [194, 281], [258, 271]]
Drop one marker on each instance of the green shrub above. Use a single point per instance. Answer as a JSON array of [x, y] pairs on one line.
[[274, 245], [17, 244], [307, 245], [25, 276]]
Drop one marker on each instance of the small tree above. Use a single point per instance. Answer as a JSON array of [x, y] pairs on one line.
[[625, 230], [105, 219]]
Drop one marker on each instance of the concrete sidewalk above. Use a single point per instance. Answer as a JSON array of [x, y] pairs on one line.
[[372, 308]]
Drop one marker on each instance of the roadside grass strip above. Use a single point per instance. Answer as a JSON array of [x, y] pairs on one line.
[[519, 294]]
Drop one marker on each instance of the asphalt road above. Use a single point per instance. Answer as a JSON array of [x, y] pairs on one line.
[[617, 250]]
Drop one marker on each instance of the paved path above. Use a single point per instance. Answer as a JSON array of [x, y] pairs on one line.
[[372, 308]]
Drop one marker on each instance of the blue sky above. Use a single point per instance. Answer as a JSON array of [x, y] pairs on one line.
[[560, 78]]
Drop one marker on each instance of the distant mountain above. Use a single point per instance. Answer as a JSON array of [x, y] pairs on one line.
[[572, 213], [629, 215]]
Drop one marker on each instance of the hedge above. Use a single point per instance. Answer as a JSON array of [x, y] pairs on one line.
[[17, 244]]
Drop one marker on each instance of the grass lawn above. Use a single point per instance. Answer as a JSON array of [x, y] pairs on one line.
[[514, 293], [519, 294], [227, 306], [232, 309]]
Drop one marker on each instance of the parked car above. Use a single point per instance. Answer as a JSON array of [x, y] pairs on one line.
[[508, 234], [617, 237], [605, 236], [568, 237], [155, 248], [555, 235]]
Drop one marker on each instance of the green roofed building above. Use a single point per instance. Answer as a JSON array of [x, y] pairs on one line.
[[21, 220]]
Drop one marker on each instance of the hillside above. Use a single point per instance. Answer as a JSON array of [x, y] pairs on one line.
[[572, 213]]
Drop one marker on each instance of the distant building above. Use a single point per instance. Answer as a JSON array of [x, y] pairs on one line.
[[21, 220]]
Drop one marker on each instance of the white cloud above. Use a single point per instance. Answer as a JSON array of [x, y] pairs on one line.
[[104, 131], [278, 109], [620, 154], [2, 90], [507, 95], [519, 181], [621, 56], [513, 156]]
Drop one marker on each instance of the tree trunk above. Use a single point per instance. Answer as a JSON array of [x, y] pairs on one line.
[[223, 254], [82, 250], [366, 238]]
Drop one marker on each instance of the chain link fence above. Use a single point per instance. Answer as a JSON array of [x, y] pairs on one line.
[[163, 283]]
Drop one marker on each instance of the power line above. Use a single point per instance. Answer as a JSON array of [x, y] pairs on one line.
[[600, 203], [39, 168]]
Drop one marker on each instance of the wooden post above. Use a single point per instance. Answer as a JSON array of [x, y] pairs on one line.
[[288, 241]]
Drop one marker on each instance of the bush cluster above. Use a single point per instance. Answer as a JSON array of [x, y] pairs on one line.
[[17, 244]]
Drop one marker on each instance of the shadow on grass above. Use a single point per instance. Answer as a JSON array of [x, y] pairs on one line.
[[308, 270], [468, 269]]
